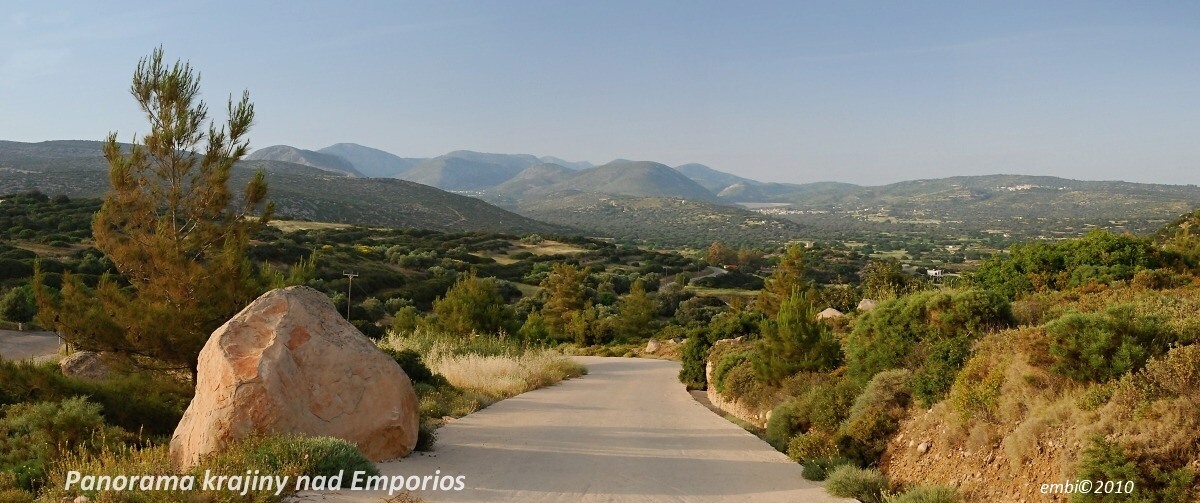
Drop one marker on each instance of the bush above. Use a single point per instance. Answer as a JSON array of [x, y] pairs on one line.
[[865, 484], [426, 437], [810, 445], [142, 402], [1097, 347], [35, 436], [289, 455], [976, 390], [311, 455], [783, 424], [927, 494], [410, 362], [694, 359], [874, 417], [929, 329], [818, 468], [1104, 460], [727, 363]]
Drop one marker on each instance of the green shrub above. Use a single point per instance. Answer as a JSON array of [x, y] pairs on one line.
[[410, 361], [887, 390], [142, 402], [1104, 460], [927, 494], [782, 425], [976, 390], [874, 417], [35, 436], [932, 329], [818, 468], [943, 359], [865, 484], [1099, 257], [311, 455], [810, 445], [289, 455], [693, 358], [1097, 347], [426, 436], [740, 383], [728, 362]]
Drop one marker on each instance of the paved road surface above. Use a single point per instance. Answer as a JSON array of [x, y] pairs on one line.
[[16, 345], [626, 432]]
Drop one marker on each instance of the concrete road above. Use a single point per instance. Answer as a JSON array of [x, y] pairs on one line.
[[628, 431], [16, 345]]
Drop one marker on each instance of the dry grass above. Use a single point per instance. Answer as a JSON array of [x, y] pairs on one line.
[[488, 371], [298, 225]]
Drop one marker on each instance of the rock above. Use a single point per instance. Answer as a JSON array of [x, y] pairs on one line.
[[829, 313], [84, 365], [289, 363], [867, 305], [652, 346], [924, 447], [80, 499]]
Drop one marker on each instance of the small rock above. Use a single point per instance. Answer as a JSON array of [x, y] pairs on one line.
[[80, 499], [652, 346], [924, 447], [84, 365]]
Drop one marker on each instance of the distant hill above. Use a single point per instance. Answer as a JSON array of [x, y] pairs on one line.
[[711, 179], [531, 179], [549, 159], [295, 155], [669, 221], [299, 191], [372, 162], [464, 170], [634, 178]]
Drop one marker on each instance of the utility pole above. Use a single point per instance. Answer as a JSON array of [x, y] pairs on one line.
[[349, 288]]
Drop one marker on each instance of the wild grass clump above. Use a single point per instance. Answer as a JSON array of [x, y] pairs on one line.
[[927, 494], [865, 484], [492, 369], [818, 468], [289, 455], [280, 455]]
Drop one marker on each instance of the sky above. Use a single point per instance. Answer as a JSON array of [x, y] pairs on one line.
[[851, 91]]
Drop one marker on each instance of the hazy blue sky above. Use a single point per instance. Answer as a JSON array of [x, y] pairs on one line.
[[864, 92]]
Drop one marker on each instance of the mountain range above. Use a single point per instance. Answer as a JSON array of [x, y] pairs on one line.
[[347, 182], [300, 190]]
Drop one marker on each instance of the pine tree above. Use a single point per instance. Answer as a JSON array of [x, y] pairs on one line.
[[788, 277], [170, 227], [565, 296], [636, 312], [795, 341]]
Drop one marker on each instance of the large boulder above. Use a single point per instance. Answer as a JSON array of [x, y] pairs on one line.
[[84, 365], [289, 363]]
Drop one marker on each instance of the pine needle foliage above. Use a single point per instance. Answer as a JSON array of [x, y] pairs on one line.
[[170, 226]]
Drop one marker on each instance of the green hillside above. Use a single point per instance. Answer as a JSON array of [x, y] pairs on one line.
[[76, 169], [660, 220], [284, 153]]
